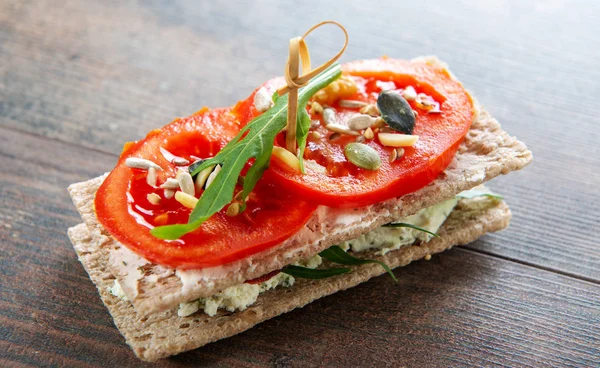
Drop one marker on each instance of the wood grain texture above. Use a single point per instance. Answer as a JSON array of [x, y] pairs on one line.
[[79, 77], [110, 72]]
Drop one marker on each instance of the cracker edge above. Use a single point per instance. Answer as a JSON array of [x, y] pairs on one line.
[[171, 334]]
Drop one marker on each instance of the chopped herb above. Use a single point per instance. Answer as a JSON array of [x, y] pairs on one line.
[[255, 140], [338, 255], [404, 224], [315, 274]]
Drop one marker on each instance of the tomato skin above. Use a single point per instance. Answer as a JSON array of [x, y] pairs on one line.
[[440, 135], [122, 208]]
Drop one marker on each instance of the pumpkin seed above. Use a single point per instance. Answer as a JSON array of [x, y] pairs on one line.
[[352, 104], [360, 121], [396, 112], [362, 156]]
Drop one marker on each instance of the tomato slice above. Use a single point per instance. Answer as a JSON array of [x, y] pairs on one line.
[[123, 209], [342, 184]]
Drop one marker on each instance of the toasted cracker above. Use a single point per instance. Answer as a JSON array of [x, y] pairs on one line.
[[165, 333], [487, 152]]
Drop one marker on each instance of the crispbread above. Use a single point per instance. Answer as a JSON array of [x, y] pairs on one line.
[[165, 333], [487, 152]]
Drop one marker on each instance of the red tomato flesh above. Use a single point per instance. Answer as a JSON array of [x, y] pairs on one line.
[[123, 209], [346, 185]]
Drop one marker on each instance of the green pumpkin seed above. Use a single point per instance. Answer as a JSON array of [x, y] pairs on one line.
[[396, 112], [362, 156]]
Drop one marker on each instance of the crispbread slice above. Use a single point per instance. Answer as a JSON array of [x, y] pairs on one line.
[[487, 152], [165, 333]]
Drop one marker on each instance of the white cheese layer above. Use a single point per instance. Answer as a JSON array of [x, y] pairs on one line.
[[391, 238], [240, 297]]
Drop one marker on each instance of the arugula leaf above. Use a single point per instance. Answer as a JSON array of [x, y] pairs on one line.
[[473, 193], [315, 274], [338, 255], [255, 140], [404, 224], [302, 128]]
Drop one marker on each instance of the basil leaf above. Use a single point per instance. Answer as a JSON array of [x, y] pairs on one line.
[[315, 274], [338, 255], [404, 224], [255, 140], [473, 193]]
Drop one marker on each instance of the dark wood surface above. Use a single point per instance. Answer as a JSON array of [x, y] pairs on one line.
[[78, 78]]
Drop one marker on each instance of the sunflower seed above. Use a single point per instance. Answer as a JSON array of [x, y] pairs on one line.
[[370, 110], [334, 136], [202, 177], [329, 116], [360, 121], [409, 93], [400, 153], [315, 135], [352, 104], [393, 155], [151, 178], [175, 160], [170, 183], [153, 198], [342, 129], [378, 123], [287, 157], [233, 209], [212, 176], [316, 108], [368, 134], [169, 193], [141, 163], [186, 183], [363, 156], [360, 139]]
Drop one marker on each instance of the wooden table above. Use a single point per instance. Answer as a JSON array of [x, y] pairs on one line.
[[78, 78]]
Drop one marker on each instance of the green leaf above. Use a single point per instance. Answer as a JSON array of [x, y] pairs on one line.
[[404, 224], [315, 274], [255, 140], [338, 255], [473, 193], [302, 128]]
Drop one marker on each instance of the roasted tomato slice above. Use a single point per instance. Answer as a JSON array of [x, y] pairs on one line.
[[123, 208], [333, 181]]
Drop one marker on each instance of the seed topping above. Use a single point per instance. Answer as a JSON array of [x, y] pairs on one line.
[[363, 156], [397, 140], [360, 121], [141, 163]]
